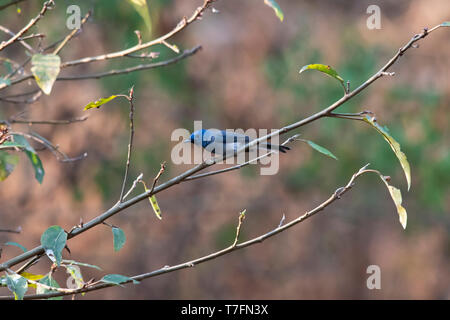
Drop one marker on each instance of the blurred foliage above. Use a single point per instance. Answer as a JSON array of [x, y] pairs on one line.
[[413, 111]]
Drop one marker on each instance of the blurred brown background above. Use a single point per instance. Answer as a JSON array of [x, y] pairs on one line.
[[246, 76]]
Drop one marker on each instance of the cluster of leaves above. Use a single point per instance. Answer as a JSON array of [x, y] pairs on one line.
[[394, 192], [53, 240], [9, 161]]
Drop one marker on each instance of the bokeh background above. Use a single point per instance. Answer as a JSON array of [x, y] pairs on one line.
[[246, 76]]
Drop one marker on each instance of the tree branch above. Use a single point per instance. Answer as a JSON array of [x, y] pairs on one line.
[[182, 177], [233, 247], [185, 54], [47, 5], [180, 26]]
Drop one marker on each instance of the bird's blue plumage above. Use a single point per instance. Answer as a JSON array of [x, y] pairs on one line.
[[225, 142]]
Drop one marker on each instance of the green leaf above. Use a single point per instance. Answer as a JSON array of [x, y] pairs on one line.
[[45, 69], [10, 144], [394, 145], [9, 243], [53, 240], [396, 196], [7, 164], [325, 69], [8, 65], [37, 165], [5, 82], [117, 279], [320, 149], [446, 24], [32, 155], [17, 284], [73, 262], [99, 102], [274, 5], [48, 281], [119, 238], [141, 7]]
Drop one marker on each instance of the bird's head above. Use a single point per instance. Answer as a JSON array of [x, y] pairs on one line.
[[198, 138]]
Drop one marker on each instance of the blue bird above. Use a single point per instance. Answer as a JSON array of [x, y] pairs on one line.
[[225, 142]]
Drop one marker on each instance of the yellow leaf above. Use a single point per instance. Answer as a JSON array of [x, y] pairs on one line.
[[34, 277], [396, 196], [155, 206], [138, 2], [395, 146], [153, 202], [99, 102], [45, 69]]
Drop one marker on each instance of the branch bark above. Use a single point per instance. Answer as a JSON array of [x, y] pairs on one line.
[[190, 172]]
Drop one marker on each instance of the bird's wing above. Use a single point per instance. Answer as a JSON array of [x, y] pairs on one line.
[[231, 137]]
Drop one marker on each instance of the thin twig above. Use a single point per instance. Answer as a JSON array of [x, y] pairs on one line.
[[47, 5], [235, 246], [135, 182], [49, 122], [17, 230], [32, 99], [185, 54], [29, 264], [190, 172], [21, 40], [60, 156], [72, 34], [180, 26], [140, 46], [238, 228], [130, 143], [155, 180]]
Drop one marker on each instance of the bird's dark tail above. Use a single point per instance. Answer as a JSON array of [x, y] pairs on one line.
[[275, 147]]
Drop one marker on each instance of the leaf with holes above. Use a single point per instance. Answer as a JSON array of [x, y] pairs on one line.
[[99, 102], [7, 164], [45, 69], [17, 284], [117, 279], [395, 146], [325, 69], [320, 149], [155, 206], [75, 274], [53, 240], [32, 156], [119, 238], [274, 5], [153, 202]]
